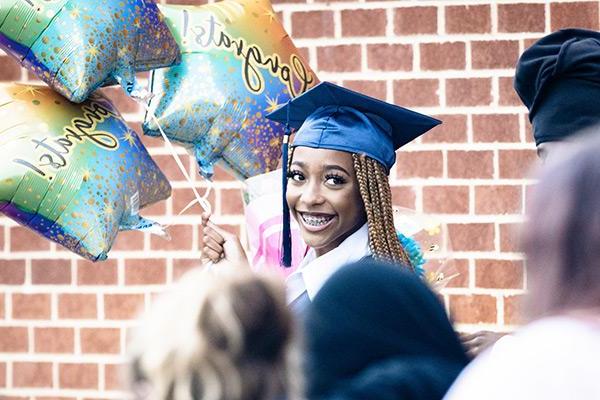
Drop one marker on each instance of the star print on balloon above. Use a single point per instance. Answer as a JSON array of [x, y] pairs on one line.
[[76, 46], [238, 64], [74, 173]]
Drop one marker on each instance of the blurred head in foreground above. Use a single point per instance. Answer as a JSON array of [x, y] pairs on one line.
[[219, 334], [562, 235]]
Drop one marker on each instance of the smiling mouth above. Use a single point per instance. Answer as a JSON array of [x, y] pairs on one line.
[[315, 222]]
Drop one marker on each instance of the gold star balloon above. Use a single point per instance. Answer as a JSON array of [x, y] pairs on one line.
[[238, 64], [74, 173], [75, 46]]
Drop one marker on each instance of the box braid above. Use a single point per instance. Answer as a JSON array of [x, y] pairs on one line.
[[377, 197]]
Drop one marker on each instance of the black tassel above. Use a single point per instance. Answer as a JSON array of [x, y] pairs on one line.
[[286, 256]]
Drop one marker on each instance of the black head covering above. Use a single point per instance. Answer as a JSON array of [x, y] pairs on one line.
[[376, 332], [558, 79]]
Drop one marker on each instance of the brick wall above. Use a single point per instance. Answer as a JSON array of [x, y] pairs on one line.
[[64, 321]]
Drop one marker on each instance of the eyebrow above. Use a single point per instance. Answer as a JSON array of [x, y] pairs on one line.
[[326, 166]]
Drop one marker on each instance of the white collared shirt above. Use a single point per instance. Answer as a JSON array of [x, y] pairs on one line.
[[313, 271]]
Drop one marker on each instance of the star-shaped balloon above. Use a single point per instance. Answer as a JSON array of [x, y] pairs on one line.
[[76, 46], [74, 173], [238, 64]]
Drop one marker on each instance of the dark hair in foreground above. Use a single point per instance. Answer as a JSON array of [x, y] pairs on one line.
[[376, 331], [562, 235]]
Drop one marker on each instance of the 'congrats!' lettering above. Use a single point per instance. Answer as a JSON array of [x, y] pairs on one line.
[[294, 75], [54, 152]]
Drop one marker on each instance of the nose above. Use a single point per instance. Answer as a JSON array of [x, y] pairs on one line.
[[312, 194]]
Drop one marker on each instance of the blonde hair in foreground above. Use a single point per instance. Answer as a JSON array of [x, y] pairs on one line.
[[224, 333]]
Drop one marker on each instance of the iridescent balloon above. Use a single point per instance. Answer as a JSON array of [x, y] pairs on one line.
[[75, 46], [238, 64], [74, 173]]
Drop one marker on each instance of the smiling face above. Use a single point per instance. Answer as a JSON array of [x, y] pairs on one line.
[[324, 197]]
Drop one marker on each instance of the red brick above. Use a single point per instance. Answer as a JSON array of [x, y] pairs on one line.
[[419, 164], [12, 272], [574, 15], [13, 340], [1, 238], [508, 95], [221, 174], [344, 58], [23, 239], [446, 199], [517, 164], [363, 22], [113, 376], [180, 238], [473, 309], [501, 274], [389, 57], [51, 272], [146, 271], [124, 103], [31, 306], [231, 202], [403, 196], [469, 92], [471, 237], [123, 306], [509, 237], [453, 129], [159, 208], [100, 340], [519, 18], [513, 310], [77, 306], [417, 92], [183, 265], [98, 273], [78, 376], [443, 56], [460, 267], [10, 70], [312, 24], [133, 240], [375, 89], [2, 310], [499, 199], [494, 54], [468, 19], [2, 375], [54, 340], [32, 374], [470, 164], [415, 20], [168, 166], [496, 128], [182, 197]]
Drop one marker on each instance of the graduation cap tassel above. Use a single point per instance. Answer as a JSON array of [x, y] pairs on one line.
[[286, 256]]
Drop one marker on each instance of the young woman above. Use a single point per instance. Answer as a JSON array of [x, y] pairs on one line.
[[337, 184]]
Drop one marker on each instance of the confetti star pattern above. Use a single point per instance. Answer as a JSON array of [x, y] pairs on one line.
[[76, 46], [238, 64], [79, 181]]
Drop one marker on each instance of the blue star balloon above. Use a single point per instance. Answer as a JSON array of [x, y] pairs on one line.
[[76, 46], [74, 173], [238, 64]]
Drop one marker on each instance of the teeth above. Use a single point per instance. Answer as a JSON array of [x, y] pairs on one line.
[[315, 221]]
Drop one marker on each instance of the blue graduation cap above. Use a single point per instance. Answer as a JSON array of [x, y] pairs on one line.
[[331, 117]]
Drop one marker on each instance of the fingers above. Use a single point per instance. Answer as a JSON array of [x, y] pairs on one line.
[[213, 244], [211, 254]]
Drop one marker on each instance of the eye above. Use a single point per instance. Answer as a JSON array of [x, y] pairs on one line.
[[334, 180], [295, 175]]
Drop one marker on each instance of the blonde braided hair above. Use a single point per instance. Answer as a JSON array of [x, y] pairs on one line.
[[377, 197]]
